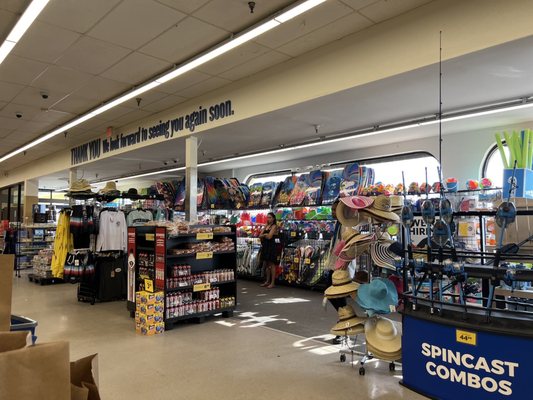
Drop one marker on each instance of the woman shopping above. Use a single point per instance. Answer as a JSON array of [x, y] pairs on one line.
[[269, 252]]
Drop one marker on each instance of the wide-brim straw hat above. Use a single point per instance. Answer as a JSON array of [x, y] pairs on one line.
[[396, 202], [384, 335], [382, 256], [377, 296], [382, 208], [383, 356], [80, 185], [355, 330], [110, 187], [348, 207], [355, 246], [342, 285], [347, 319]]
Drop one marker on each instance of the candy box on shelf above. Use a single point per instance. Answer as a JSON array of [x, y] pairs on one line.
[[149, 298]]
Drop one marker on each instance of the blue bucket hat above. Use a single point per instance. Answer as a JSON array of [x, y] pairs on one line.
[[377, 296]]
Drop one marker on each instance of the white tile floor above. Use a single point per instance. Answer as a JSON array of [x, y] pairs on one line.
[[219, 359]]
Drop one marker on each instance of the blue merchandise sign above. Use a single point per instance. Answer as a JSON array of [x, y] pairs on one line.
[[524, 182], [445, 362]]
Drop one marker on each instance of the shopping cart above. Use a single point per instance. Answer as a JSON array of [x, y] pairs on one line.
[[20, 323]]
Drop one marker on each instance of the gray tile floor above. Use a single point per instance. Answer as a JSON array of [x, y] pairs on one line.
[[273, 348]]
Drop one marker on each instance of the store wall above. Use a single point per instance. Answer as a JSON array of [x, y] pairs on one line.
[[462, 154]]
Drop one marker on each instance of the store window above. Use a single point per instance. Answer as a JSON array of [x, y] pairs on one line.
[[493, 166], [388, 170], [12, 202]]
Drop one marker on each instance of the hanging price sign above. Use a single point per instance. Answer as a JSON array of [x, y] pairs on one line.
[[149, 285], [204, 255], [200, 287], [204, 236]]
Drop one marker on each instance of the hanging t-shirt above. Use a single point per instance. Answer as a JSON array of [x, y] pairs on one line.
[[113, 231], [139, 217]]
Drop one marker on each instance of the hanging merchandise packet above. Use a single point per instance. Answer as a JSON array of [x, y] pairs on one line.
[[314, 192], [350, 180], [332, 185], [298, 194]]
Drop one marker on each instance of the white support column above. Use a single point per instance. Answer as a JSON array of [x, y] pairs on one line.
[[191, 178], [31, 197]]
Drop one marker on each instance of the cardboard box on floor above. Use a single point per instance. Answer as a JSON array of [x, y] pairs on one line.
[[43, 371], [7, 263]]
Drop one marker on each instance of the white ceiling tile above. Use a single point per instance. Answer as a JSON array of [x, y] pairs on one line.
[[188, 79], [204, 87], [54, 117], [136, 68], [32, 96], [234, 15], [184, 40], [27, 112], [351, 23], [92, 124], [186, 6], [4, 132], [135, 22], [7, 22], [9, 90], [101, 89], [237, 56], [130, 118], [62, 79], [257, 64], [358, 4], [73, 104], [146, 98], [385, 9], [316, 18], [44, 42], [92, 55], [76, 15], [16, 6], [10, 123], [114, 113], [20, 70], [164, 104]]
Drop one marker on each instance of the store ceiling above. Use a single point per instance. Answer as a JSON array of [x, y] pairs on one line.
[[82, 53]]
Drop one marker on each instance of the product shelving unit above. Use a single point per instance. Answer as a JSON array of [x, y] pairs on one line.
[[156, 244], [30, 241]]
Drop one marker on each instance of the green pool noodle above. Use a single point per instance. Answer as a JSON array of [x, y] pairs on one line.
[[510, 146], [502, 151]]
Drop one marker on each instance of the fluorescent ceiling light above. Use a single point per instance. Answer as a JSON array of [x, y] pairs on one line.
[[37, 5], [150, 174], [299, 9], [218, 51], [5, 49], [22, 25]]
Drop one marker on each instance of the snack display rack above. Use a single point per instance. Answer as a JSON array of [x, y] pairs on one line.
[[31, 239], [195, 269]]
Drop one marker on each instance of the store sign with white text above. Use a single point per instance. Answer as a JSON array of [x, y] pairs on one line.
[[168, 129]]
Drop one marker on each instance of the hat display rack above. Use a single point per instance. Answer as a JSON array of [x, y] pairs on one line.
[[365, 242]]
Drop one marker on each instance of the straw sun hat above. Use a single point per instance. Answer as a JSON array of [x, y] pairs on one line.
[[348, 321], [384, 338], [80, 185], [342, 285], [382, 209], [348, 207], [355, 246]]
